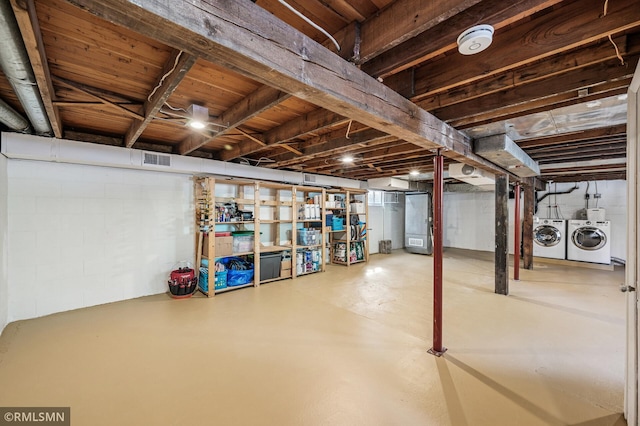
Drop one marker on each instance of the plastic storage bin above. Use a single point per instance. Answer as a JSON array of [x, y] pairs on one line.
[[337, 224], [243, 241], [308, 236], [270, 265], [220, 280], [239, 271]]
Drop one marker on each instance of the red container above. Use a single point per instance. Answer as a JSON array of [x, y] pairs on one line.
[[182, 283], [223, 234]]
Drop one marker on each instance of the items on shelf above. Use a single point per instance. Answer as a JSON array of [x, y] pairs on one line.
[[309, 236], [239, 271], [309, 212], [229, 212], [243, 241], [308, 260]]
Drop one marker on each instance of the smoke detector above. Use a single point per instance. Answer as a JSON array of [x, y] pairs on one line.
[[475, 39]]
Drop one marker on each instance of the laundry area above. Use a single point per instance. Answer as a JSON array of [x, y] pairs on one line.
[[367, 212]]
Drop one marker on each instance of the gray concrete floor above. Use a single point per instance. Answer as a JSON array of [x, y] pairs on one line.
[[346, 347]]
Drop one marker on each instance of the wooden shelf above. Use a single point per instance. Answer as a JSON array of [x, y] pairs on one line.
[[274, 221], [308, 247], [275, 279], [273, 249], [235, 287], [251, 222], [307, 273]]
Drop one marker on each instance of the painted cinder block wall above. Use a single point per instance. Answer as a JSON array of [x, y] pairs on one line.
[[86, 235], [469, 217]]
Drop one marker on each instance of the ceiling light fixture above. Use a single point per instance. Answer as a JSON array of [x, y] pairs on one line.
[[347, 159], [475, 39], [199, 116], [414, 173]]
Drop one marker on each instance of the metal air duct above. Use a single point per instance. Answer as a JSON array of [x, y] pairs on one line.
[[501, 150], [12, 119], [15, 64]]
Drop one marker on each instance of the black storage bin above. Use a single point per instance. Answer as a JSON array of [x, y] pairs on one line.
[[270, 265]]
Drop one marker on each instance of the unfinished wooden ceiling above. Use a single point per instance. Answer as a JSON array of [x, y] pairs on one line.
[[126, 72]]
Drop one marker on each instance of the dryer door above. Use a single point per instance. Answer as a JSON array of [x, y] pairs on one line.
[[547, 236], [589, 238]]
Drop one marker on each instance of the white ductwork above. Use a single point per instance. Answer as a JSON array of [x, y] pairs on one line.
[[16, 66], [29, 147], [501, 150], [470, 174], [388, 184], [12, 119]]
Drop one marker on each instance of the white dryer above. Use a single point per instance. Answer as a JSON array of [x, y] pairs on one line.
[[549, 238], [589, 241]]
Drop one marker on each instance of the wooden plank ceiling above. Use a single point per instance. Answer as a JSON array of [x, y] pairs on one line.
[[554, 79]]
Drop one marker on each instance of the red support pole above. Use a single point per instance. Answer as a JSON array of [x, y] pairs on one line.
[[438, 189], [516, 244]]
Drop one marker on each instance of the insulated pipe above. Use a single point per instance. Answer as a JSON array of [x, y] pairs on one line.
[[438, 187], [12, 119], [516, 244], [15, 64]]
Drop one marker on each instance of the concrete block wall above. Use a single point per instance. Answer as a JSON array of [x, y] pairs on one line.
[[87, 235], [4, 245], [469, 217]]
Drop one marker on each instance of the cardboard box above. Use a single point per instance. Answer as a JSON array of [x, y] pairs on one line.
[[357, 207], [224, 246], [285, 264], [285, 273]]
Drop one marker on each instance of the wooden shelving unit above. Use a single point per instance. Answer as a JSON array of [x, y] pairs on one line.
[[217, 204], [275, 225], [349, 245]]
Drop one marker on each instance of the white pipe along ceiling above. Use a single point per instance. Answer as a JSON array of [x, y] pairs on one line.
[[15, 64]]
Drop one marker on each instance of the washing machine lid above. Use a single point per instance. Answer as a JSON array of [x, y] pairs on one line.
[[589, 238], [547, 235]]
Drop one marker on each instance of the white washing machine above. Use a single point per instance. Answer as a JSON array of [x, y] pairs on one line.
[[589, 241], [549, 238]]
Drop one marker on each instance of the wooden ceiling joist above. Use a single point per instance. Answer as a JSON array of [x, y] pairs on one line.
[[314, 121], [175, 69], [251, 41], [30, 29], [543, 37], [256, 103], [441, 38]]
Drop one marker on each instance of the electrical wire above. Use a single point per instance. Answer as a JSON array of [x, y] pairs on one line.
[[310, 22], [615, 46], [175, 64], [597, 198]]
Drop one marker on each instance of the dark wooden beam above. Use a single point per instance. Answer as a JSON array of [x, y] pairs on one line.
[[563, 29], [442, 38], [567, 138], [174, 70], [513, 99], [255, 104], [599, 91], [401, 21], [502, 235], [254, 43], [541, 70]]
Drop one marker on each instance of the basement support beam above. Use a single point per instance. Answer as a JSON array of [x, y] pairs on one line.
[[516, 233], [247, 39], [502, 235], [438, 188], [527, 227]]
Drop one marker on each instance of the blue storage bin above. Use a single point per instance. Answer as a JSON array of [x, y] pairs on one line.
[[337, 224], [220, 279], [236, 277]]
